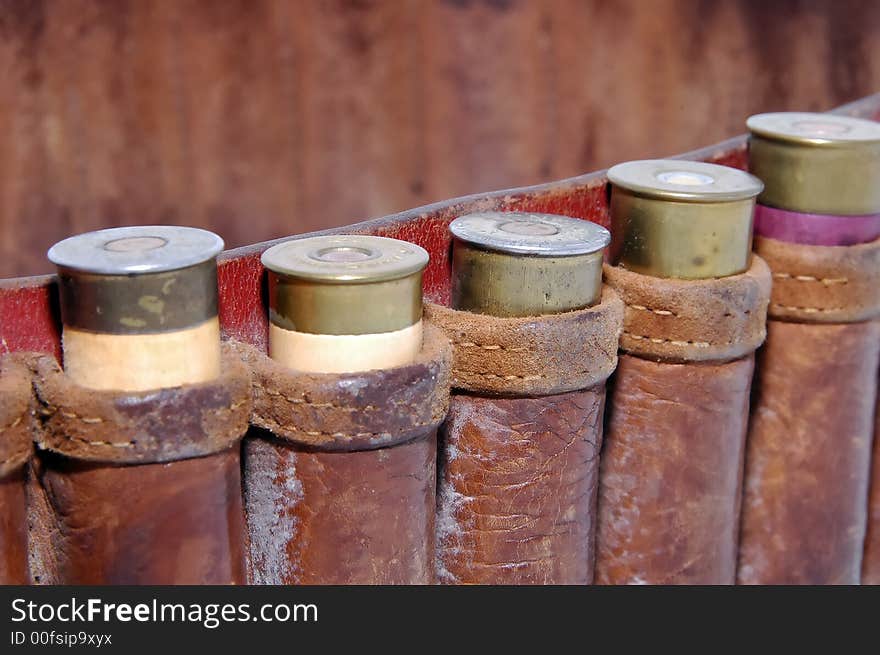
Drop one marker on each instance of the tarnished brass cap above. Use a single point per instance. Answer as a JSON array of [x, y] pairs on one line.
[[816, 163], [681, 219], [137, 280], [524, 264], [345, 284]]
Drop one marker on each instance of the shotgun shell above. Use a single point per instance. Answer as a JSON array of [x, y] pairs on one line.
[[345, 303], [346, 284], [139, 307], [523, 264], [681, 219], [816, 163], [137, 280]]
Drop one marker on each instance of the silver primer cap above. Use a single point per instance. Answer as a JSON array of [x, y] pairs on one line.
[[525, 264], [136, 249], [526, 233]]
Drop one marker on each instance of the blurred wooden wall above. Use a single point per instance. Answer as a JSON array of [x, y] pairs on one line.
[[260, 118]]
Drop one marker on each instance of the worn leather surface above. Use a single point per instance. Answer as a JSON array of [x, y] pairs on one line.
[[692, 320], [517, 489], [678, 408], [13, 529], [156, 426], [16, 398], [538, 355], [871, 558], [671, 469], [808, 457], [355, 517], [344, 492], [352, 411], [823, 284], [15, 450], [167, 523]]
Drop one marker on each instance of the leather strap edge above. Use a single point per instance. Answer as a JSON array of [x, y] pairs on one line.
[[352, 411], [823, 284], [532, 356], [677, 320], [16, 411], [166, 425]]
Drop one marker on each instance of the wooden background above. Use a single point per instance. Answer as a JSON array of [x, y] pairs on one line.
[[260, 118]]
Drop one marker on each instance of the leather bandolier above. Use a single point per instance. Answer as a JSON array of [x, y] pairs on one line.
[[147, 487]]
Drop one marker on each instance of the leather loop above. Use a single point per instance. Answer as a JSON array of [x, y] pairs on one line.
[[138, 428], [693, 320], [534, 355], [16, 393], [352, 411], [808, 452], [823, 284]]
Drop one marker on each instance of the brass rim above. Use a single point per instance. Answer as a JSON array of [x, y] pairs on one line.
[[698, 229], [523, 264], [684, 181], [528, 233], [815, 130], [833, 168], [345, 284], [346, 259], [136, 250], [139, 304]]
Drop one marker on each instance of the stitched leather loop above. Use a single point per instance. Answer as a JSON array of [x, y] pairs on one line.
[[158, 426], [352, 411], [823, 284], [15, 412], [532, 356], [693, 320]]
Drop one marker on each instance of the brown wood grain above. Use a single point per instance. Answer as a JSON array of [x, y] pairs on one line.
[[260, 118]]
